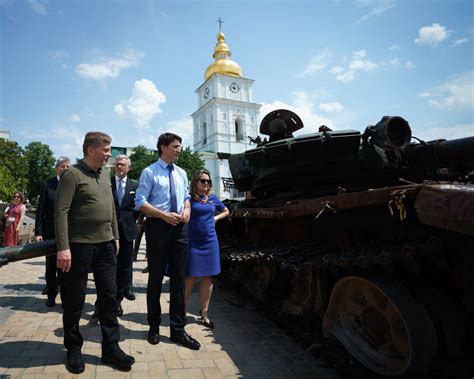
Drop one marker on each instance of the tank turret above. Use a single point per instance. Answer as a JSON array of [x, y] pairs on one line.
[[327, 160]]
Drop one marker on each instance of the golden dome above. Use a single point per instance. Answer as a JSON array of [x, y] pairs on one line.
[[222, 63]]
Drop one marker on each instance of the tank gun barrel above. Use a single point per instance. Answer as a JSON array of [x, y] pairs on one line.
[[21, 252], [390, 133], [442, 153]]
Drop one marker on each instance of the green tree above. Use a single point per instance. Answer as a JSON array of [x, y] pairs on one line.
[[12, 161], [141, 158], [8, 184], [190, 161], [40, 163]]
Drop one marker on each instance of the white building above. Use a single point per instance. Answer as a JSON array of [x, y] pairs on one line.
[[226, 116], [5, 134]]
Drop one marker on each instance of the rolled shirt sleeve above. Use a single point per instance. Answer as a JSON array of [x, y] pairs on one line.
[[144, 189]]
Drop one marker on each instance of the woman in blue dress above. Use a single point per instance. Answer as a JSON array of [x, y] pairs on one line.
[[203, 254]]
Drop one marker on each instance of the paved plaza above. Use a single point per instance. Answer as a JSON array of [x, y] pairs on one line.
[[243, 344]]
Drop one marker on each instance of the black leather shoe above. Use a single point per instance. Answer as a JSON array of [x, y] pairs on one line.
[[119, 359], [129, 295], [51, 302], [119, 310], [75, 361], [45, 290], [153, 337], [186, 340]]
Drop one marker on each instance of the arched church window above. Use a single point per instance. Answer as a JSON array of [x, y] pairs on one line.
[[239, 136], [204, 133]]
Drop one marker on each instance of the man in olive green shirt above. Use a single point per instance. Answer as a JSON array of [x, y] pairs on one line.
[[87, 237]]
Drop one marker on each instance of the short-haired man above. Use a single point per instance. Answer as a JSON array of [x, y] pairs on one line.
[[87, 237], [124, 190], [163, 197], [44, 226]]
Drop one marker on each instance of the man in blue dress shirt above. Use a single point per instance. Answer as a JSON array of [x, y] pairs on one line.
[[163, 196]]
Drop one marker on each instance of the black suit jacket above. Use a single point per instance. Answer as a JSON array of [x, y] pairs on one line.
[[44, 222], [126, 216]]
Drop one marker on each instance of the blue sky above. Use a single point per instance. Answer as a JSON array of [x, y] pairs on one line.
[[130, 67]]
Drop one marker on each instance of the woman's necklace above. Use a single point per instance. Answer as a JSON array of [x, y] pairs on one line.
[[203, 199]]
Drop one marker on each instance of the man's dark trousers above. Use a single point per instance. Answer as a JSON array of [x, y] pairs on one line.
[[44, 226], [166, 244], [101, 258], [124, 264]]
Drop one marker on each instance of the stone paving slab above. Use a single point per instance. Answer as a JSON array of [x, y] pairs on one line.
[[242, 345]]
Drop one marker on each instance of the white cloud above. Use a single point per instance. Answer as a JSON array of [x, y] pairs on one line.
[[460, 41], [455, 95], [361, 65], [39, 6], [302, 99], [311, 120], [143, 105], [432, 35], [58, 55], [106, 67], [357, 63], [74, 118], [120, 110], [376, 8], [394, 47], [409, 65], [68, 141], [183, 127], [336, 70], [334, 107], [359, 54], [316, 64], [451, 132]]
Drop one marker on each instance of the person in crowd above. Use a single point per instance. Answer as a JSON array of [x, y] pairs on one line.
[[44, 226], [162, 195], [14, 215], [124, 190], [203, 253], [87, 237]]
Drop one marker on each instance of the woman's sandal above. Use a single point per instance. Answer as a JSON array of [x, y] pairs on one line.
[[208, 323]]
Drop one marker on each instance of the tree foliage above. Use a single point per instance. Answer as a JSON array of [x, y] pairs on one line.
[[40, 162], [8, 184], [190, 161], [141, 158], [13, 164]]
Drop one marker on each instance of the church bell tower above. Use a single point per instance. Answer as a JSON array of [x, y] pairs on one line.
[[226, 116]]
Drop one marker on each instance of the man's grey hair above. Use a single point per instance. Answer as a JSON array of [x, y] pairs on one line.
[[123, 156], [62, 160]]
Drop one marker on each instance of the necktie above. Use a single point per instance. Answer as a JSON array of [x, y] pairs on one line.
[[173, 199], [120, 191]]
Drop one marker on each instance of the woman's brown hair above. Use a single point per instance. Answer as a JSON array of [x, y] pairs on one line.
[[22, 197], [193, 185]]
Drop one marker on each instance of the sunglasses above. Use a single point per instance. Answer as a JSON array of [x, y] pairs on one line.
[[16, 196], [204, 181]]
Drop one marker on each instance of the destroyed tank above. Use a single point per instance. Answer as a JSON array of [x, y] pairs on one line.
[[370, 234]]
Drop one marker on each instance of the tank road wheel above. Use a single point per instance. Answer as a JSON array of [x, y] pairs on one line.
[[381, 324]]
